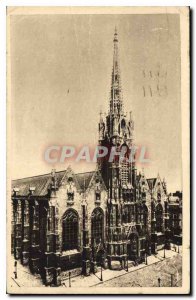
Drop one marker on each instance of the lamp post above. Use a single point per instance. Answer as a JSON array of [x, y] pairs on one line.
[[159, 282], [101, 279], [15, 271], [127, 264], [69, 279], [164, 252], [146, 258], [93, 256]]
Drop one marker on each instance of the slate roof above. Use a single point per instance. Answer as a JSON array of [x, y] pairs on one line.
[[41, 183]]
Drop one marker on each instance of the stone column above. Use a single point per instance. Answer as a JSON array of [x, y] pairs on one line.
[[34, 245], [50, 258], [25, 241], [18, 229], [52, 274], [53, 252], [153, 233], [13, 222], [167, 229], [57, 271], [86, 248]]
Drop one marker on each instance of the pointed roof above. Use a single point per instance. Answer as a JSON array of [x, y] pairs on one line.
[[116, 93], [42, 183], [151, 182], [84, 179]]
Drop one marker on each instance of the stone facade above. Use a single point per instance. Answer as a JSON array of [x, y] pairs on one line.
[[175, 216], [63, 220]]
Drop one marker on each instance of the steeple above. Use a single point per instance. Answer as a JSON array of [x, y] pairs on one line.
[[116, 128], [116, 93]]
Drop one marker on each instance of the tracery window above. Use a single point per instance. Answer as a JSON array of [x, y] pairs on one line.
[[70, 230], [132, 208], [159, 217], [97, 223]]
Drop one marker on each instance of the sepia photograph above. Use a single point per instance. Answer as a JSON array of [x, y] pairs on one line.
[[98, 150]]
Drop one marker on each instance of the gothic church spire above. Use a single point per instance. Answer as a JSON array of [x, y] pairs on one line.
[[116, 93]]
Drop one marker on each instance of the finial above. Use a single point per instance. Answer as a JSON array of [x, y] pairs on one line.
[[53, 172], [53, 175], [115, 35], [101, 115]]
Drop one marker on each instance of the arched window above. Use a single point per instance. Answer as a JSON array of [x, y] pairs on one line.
[[70, 230], [97, 223], [159, 217], [145, 214]]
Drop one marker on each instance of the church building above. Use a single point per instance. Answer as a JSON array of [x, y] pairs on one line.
[[110, 217]]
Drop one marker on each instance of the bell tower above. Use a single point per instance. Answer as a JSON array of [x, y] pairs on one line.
[[116, 133]]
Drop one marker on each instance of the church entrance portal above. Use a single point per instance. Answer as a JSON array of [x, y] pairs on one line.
[[133, 246]]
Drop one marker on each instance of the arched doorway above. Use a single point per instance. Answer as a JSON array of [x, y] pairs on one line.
[[133, 246], [70, 230]]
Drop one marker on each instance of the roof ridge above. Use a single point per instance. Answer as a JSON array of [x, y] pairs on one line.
[[34, 176], [85, 172]]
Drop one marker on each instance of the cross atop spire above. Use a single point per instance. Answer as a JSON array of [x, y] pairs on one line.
[[116, 94]]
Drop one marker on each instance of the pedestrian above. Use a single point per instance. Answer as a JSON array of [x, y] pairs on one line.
[[15, 269]]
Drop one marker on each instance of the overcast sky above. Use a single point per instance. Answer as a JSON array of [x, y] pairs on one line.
[[61, 74]]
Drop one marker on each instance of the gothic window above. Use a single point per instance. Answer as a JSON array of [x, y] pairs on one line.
[[123, 124], [142, 244], [132, 213], [145, 213], [97, 190], [70, 190], [70, 230], [17, 218], [97, 223], [25, 218], [159, 217], [51, 219], [159, 196], [48, 224], [124, 172], [140, 216], [124, 194], [98, 195], [125, 215]]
